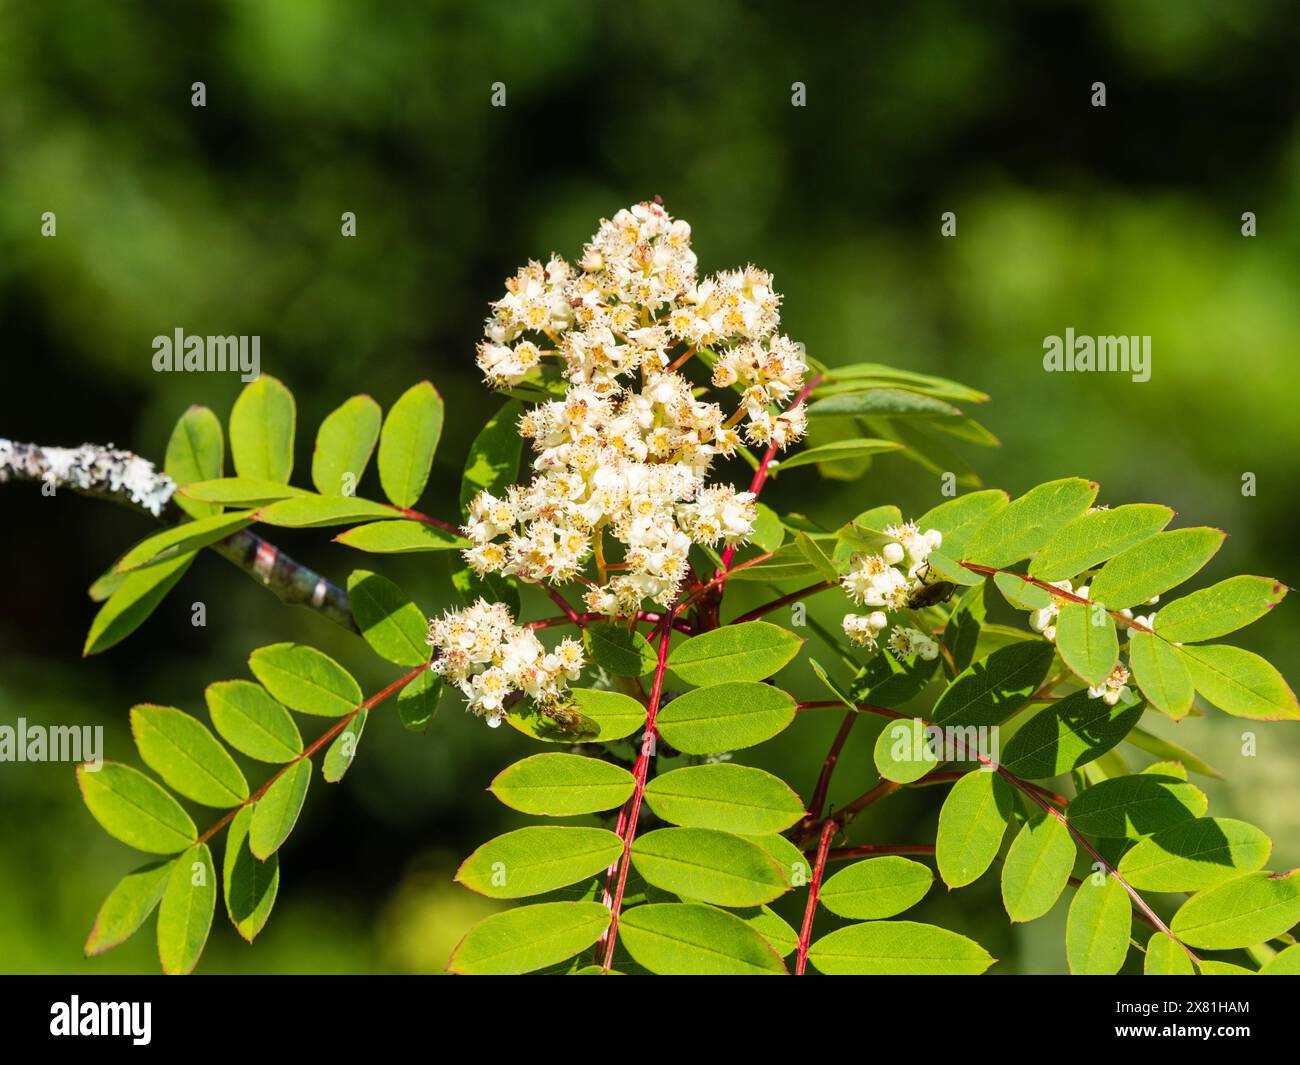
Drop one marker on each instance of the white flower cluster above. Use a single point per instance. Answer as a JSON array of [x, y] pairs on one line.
[[488, 657], [890, 579], [1114, 689], [627, 451]]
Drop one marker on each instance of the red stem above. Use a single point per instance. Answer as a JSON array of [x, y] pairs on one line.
[[818, 802], [866, 850], [1059, 593], [814, 888], [777, 604]]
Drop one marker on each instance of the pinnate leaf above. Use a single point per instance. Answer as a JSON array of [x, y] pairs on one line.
[[748, 652], [185, 913], [407, 443], [262, 425], [528, 938], [181, 750], [135, 810], [305, 679]]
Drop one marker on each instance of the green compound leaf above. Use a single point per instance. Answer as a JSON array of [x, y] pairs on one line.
[[262, 425], [1164, 957], [990, 690], [603, 716], [493, 462], [1095, 537], [853, 374], [836, 452], [250, 885], [1161, 674], [688, 939], [619, 650], [1241, 912], [1154, 566], [1086, 641], [1195, 854], [276, 812], [1070, 733], [344, 444], [196, 451], [400, 538], [132, 808], [725, 717], [972, 822], [1220, 609], [315, 512], [709, 866], [875, 401], [182, 751], [906, 750], [185, 913], [338, 758], [406, 445], [875, 888], [1037, 868], [540, 858], [898, 948], [132, 601], [393, 625], [1098, 928], [1025, 524], [528, 938], [959, 518], [128, 905], [1135, 806], [305, 679], [752, 651], [252, 722], [733, 798], [561, 785], [418, 701], [240, 491], [188, 536], [1240, 683]]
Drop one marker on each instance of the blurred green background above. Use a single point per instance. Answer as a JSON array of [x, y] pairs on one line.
[[226, 220]]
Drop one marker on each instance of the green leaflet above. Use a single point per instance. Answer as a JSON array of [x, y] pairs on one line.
[[1025, 524], [1098, 927], [817, 558], [961, 634], [1037, 868], [709, 866], [725, 717], [250, 885], [771, 926], [688, 939], [752, 651], [493, 461], [1069, 733], [1241, 912], [1195, 854], [539, 858], [1284, 963], [305, 679], [240, 491], [135, 810], [1164, 957], [188, 536], [768, 532], [185, 913], [1161, 674], [1020, 593], [618, 649], [561, 785], [418, 701], [1135, 806], [836, 452], [262, 425], [602, 716], [734, 798], [958, 518], [1092, 538], [1086, 641], [874, 401], [343, 748], [886, 681], [393, 625], [195, 452], [972, 822], [344, 444], [276, 812], [407, 443], [400, 538], [793, 862], [528, 938], [1240, 683], [990, 690], [127, 906], [853, 374], [1211, 967], [182, 751], [132, 601], [898, 948], [1220, 609], [1153, 566], [314, 512], [906, 750], [252, 722], [875, 888]]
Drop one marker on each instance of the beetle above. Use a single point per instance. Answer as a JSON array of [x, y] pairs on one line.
[[930, 594]]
